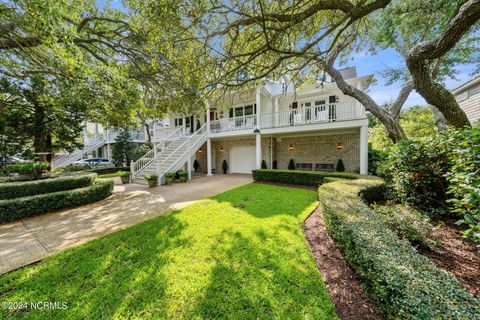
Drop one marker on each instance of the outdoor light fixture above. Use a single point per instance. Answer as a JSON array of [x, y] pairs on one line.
[[221, 149], [340, 146], [291, 147], [256, 131], [200, 150]]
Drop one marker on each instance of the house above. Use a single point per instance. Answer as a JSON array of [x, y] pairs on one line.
[[468, 97], [315, 126]]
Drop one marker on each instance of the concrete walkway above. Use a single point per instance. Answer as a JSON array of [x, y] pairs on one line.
[[33, 239]]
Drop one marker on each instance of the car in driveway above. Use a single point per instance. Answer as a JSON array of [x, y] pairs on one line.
[[95, 163]]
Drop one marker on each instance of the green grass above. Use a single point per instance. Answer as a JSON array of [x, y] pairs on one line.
[[238, 255]]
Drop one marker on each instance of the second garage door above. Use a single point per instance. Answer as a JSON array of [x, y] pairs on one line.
[[242, 159]]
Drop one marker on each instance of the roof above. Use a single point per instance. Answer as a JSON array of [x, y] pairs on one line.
[[467, 84]]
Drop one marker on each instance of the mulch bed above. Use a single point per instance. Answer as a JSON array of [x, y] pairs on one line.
[[346, 291], [456, 255], [288, 185]]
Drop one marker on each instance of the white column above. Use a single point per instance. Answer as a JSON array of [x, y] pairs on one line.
[[258, 150], [189, 168], [85, 133], [208, 119], [275, 104], [155, 130], [209, 156], [109, 152], [96, 129], [364, 150], [258, 100]]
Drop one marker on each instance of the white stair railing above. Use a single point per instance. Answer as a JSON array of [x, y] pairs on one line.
[[193, 142], [139, 165], [90, 145]]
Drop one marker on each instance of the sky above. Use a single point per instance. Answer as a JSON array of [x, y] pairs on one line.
[[380, 92]]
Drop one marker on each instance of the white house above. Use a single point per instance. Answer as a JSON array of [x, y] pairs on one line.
[[468, 97], [315, 125]]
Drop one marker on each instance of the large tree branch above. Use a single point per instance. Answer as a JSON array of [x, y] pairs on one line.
[[402, 97], [419, 57]]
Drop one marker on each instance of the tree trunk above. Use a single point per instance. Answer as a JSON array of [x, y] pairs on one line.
[[440, 120], [149, 136], [392, 125]]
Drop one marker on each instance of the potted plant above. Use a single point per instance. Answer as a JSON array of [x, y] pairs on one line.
[[183, 176], [196, 165], [291, 165], [224, 166], [124, 176], [340, 166], [152, 180], [169, 177], [264, 164]]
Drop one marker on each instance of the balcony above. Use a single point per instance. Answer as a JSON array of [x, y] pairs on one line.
[[296, 117]]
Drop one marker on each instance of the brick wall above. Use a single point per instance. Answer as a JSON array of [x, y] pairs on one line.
[[320, 149], [309, 149]]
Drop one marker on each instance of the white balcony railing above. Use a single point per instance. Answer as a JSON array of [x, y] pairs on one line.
[[234, 124]]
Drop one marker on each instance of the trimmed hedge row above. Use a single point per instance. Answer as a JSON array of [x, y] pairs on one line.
[[401, 282], [309, 178], [19, 208], [29, 188]]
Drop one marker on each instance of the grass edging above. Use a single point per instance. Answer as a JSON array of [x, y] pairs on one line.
[[400, 281], [13, 209], [12, 190], [309, 178]]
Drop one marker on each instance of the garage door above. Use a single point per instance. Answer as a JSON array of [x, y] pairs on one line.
[[242, 159]]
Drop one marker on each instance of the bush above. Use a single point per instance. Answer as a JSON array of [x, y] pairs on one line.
[[463, 177], [72, 168], [376, 159], [29, 188], [415, 173], [407, 223], [291, 165], [264, 164], [109, 170], [401, 282], [340, 166], [307, 178], [34, 168], [19, 208]]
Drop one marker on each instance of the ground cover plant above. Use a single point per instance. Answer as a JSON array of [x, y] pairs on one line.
[[240, 254]]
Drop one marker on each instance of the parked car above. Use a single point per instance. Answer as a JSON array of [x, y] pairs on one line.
[[95, 163], [10, 160]]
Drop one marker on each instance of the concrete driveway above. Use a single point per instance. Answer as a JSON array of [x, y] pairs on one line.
[[33, 239]]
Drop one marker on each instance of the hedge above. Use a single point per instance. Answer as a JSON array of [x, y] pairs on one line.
[[401, 282], [19, 208], [309, 178], [29, 188], [109, 170]]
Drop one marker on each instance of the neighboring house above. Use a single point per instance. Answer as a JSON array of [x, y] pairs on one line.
[[468, 97], [316, 126]]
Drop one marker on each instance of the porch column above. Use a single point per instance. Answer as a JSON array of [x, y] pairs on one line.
[[257, 101], [275, 105], [258, 149], [209, 156], [155, 130], [208, 119], [109, 152], [364, 150], [189, 168], [85, 133]]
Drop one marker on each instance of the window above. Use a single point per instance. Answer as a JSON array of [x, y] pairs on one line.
[[462, 96], [242, 111], [320, 105], [178, 122], [473, 91]]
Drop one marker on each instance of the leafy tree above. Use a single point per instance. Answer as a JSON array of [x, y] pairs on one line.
[[418, 123], [123, 149]]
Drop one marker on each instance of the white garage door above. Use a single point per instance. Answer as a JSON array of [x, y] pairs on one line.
[[242, 159]]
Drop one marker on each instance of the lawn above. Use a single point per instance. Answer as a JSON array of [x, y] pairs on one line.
[[238, 255]]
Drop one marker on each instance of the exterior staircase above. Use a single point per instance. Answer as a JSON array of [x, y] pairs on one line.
[[168, 158], [92, 144]]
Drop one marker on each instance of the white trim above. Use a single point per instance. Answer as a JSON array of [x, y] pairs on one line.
[[363, 150]]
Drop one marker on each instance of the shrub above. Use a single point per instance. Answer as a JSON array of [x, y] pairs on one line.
[[401, 282], [274, 164], [34, 168], [182, 173], [167, 175], [415, 173], [19, 208], [376, 160], [29, 188], [224, 166], [72, 168], [340, 166], [196, 165], [407, 223], [109, 170], [291, 165], [264, 164], [463, 176], [308, 178]]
